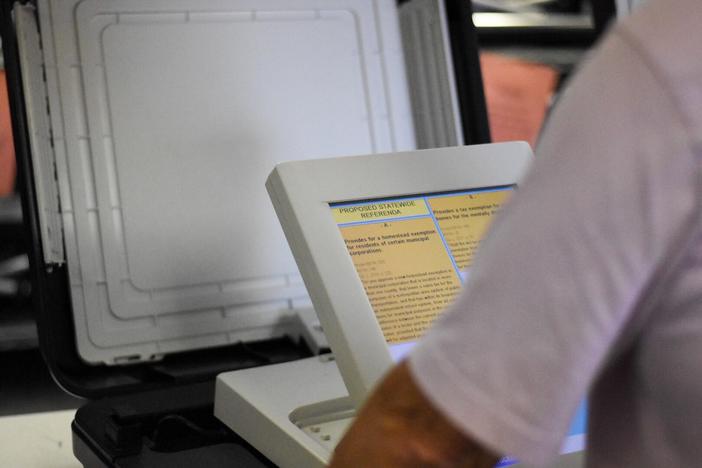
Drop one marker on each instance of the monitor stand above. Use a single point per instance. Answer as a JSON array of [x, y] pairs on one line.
[[293, 413]]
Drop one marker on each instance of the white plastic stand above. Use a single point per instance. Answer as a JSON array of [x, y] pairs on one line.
[[293, 413]]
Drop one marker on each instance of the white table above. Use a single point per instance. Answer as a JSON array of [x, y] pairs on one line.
[[37, 440]]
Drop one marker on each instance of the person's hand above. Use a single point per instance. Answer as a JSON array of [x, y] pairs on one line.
[[399, 427]]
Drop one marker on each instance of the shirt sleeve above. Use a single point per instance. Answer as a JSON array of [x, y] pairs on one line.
[[561, 273]]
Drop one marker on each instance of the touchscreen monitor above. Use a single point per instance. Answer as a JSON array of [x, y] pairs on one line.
[[413, 253]]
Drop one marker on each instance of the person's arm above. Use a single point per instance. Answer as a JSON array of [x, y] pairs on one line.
[[399, 427]]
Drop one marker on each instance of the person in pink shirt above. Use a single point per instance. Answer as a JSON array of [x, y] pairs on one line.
[[589, 282]]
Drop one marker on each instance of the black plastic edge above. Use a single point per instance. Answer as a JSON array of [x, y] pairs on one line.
[[50, 283], [469, 79], [603, 12], [86, 450]]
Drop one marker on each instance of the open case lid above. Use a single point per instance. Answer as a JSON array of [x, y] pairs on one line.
[[166, 117], [145, 131]]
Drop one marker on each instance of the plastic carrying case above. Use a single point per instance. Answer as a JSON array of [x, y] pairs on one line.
[[144, 131]]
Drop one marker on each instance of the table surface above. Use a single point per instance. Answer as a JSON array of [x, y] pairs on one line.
[[37, 440]]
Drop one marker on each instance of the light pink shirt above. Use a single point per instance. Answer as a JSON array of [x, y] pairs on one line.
[[591, 277]]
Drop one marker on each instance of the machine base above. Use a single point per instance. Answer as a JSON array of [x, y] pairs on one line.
[[294, 414]]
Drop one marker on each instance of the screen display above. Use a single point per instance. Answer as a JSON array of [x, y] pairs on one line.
[[413, 253]]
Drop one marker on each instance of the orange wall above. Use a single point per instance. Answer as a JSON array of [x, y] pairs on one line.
[[7, 148]]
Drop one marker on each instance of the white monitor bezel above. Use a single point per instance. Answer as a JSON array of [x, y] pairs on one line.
[[301, 192]]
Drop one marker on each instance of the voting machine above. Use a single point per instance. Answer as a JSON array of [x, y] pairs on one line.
[[384, 244]]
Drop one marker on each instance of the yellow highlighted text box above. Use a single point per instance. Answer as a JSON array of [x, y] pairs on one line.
[[378, 211]]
